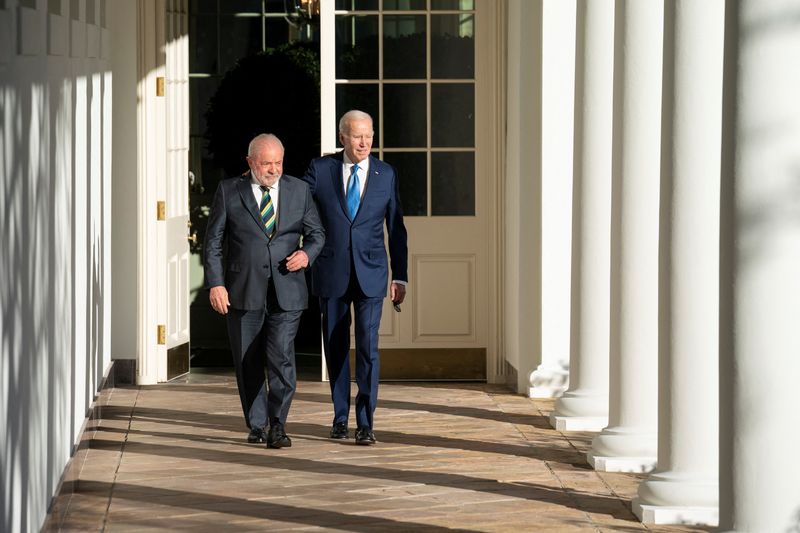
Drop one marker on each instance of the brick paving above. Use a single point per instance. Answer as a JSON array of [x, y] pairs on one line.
[[454, 456]]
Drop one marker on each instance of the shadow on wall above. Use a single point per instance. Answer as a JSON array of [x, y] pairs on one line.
[[53, 275]]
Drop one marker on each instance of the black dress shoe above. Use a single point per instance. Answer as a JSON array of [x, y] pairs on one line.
[[339, 430], [365, 436], [277, 437], [257, 435]]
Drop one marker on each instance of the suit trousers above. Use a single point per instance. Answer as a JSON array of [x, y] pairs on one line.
[[256, 335], [336, 320]]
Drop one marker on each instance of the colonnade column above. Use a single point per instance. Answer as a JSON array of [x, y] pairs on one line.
[[684, 487], [629, 442], [558, 85], [760, 289], [584, 407], [522, 193]]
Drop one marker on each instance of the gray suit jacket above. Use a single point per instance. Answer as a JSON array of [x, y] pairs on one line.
[[239, 255]]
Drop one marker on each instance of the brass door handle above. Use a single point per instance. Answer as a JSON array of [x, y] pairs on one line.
[[192, 238]]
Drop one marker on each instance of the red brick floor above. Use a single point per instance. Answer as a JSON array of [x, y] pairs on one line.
[[463, 457]]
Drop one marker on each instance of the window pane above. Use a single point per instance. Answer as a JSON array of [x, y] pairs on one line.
[[399, 5], [357, 5], [53, 6], [207, 174], [412, 173], [239, 37], [404, 115], [200, 92], [203, 6], [453, 183], [453, 114], [240, 6], [452, 46], [357, 47], [276, 32], [404, 46], [453, 4], [203, 44], [274, 6], [359, 96], [90, 12]]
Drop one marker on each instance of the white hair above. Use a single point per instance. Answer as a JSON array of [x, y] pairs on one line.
[[264, 138], [350, 116]]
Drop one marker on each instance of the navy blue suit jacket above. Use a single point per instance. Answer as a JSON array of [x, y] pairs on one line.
[[362, 238]]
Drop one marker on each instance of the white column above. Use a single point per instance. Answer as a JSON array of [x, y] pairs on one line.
[[629, 442], [522, 193], [684, 489], [760, 289], [558, 85], [584, 407]]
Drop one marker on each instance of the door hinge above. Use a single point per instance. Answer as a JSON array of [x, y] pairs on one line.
[[161, 210], [162, 334], [160, 86]]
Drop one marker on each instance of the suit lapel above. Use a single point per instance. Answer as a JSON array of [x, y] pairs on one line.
[[372, 175], [337, 179], [249, 201], [285, 197]]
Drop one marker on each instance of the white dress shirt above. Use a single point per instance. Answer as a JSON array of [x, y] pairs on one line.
[[363, 172], [274, 191]]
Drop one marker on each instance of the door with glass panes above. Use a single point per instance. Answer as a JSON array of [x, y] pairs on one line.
[[412, 65]]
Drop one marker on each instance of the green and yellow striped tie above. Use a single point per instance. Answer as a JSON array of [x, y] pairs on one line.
[[267, 211]]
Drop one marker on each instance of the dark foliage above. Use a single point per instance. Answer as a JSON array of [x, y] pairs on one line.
[[276, 91]]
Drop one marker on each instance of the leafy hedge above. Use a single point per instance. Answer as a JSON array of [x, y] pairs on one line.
[[275, 91]]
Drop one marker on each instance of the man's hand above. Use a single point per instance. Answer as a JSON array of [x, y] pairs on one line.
[[398, 293], [219, 299], [296, 261]]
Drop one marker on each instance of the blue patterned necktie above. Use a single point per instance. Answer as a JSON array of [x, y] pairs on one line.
[[267, 211], [353, 192]]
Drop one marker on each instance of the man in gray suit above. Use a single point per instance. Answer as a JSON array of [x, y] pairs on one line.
[[263, 231]]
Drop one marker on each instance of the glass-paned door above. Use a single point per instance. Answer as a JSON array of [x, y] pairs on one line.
[[411, 65], [414, 66]]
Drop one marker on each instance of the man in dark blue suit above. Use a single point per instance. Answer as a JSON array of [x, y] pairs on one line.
[[272, 231], [356, 195]]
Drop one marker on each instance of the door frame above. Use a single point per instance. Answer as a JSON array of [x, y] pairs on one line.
[[490, 63], [155, 360], [151, 354]]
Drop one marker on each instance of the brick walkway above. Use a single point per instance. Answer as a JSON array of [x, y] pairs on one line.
[[464, 457]]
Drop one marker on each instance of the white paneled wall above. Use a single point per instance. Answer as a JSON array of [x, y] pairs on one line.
[[55, 183]]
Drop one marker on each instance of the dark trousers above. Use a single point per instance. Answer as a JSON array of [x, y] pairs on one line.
[[269, 334], [336, 320]]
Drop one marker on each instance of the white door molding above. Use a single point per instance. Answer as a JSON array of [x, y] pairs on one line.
[[151, 364]]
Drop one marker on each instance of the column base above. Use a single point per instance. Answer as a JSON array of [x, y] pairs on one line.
[[581, 410], [666, 514], [635, 465], [578, 423], [624, 449], [548, 382], [679, 497]]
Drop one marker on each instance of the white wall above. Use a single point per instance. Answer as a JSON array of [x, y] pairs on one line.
[[54, 240]]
